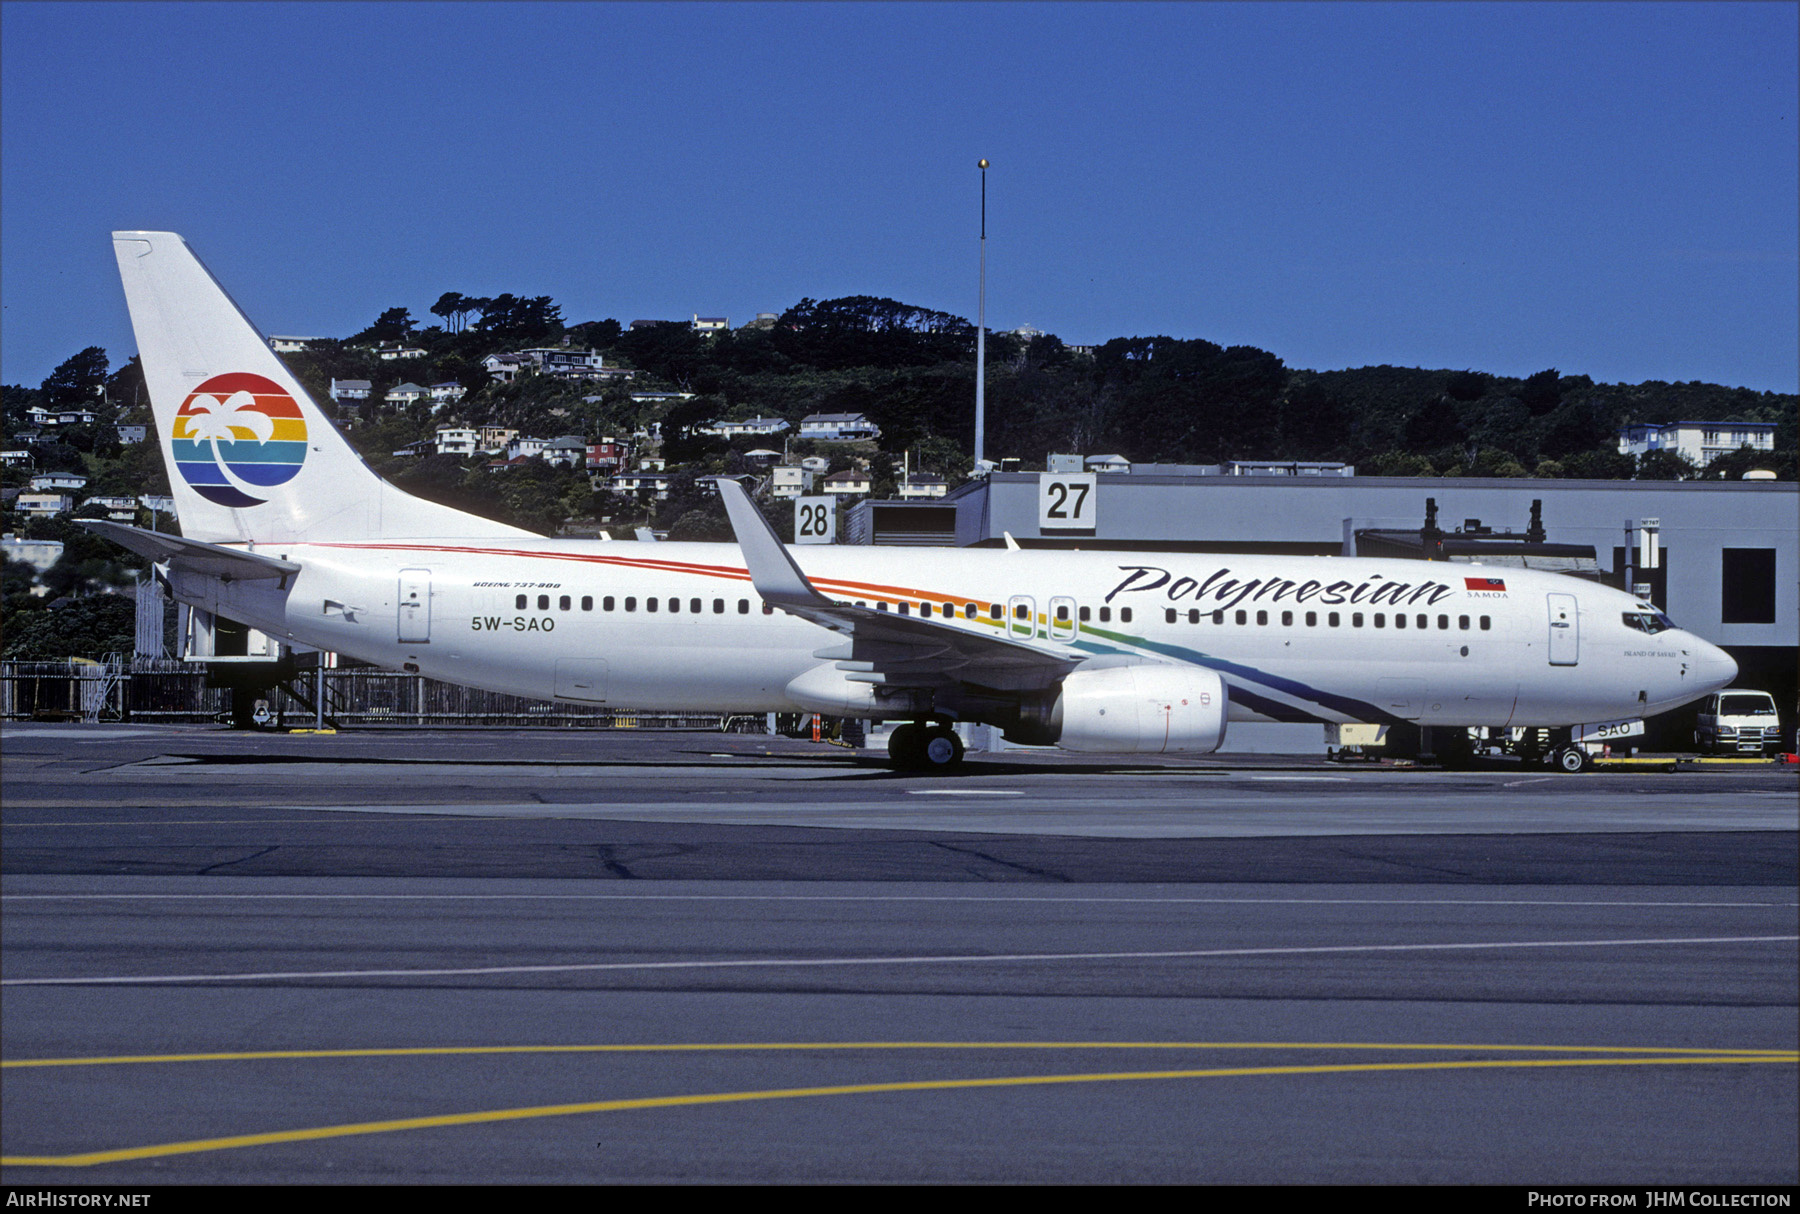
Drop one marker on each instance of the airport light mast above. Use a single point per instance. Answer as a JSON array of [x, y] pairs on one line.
[[981, 332]]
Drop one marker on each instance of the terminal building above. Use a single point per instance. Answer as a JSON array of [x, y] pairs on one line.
[[1718, 556]]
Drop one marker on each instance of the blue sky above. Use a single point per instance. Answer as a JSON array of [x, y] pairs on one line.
[[1609, 189]]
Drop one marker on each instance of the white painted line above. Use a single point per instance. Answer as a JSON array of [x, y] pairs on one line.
[[952, 958], [965, 792], [648, 897], [1306, 779]]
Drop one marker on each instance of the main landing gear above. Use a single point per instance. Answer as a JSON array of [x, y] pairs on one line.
[[928, 746]]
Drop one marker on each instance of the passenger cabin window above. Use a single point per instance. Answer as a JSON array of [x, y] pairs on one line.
[[543, 602], [1193, 615], [1125, 615], [694, 606], [1084, 613], [1356, 619], [1331, 619], [520, 602], [1312, 619], [1168, 615], [562, 604], [631, 602], [606, 604], [743, 606], [968, 611], [1106, 615], [1262, 619], [1287, 619], [587, 602], [1242, 617], [650, 604]]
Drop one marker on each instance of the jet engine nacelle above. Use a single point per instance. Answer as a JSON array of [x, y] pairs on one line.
[[1132, 710]]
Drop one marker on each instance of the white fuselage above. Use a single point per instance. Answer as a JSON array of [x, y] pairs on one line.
[[1295, 638]]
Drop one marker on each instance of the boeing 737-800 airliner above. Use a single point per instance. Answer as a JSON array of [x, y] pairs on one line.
[[286, 530]]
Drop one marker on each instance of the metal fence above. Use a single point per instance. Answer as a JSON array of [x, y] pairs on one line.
[[153, 689]]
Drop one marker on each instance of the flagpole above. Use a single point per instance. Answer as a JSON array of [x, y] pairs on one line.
[[981, 334]]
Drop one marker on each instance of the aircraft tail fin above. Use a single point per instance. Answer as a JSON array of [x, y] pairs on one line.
[[249, 453]]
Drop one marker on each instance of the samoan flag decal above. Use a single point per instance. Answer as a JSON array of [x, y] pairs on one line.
[[1484, 583]]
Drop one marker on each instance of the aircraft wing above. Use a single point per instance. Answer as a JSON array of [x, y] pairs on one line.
[[192, 555], [883, 647]]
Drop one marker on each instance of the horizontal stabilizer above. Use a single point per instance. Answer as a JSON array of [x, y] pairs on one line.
[[192, 556]]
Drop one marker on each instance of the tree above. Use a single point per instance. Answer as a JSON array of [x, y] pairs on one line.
[[670, 351], [1434, 426], [1732, 465], [395, 324], [90, 627], [77, 380], [869, 331], [1467, 386], [1664, 466], [1541, 392], [454, 307]]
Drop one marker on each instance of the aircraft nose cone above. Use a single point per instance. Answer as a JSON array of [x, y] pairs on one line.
[[1714, 666]]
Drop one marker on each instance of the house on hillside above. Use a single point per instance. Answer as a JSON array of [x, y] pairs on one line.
[[790, 480], [752, 427], [1698, 442], [847, 484], [838, 427], [568, 451], [559, 362], [923, 485]]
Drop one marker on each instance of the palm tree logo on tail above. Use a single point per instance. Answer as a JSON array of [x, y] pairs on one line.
[[238, 435]]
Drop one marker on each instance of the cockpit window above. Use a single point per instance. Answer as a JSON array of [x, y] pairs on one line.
[[1651, 622]]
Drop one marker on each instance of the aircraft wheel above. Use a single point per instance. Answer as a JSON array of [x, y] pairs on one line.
[[906, 747], [1572, 759], [943, 750]]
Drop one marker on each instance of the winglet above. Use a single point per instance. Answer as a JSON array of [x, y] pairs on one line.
[[772, 570]]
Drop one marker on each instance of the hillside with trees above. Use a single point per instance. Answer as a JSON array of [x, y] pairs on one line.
[[910, 370]]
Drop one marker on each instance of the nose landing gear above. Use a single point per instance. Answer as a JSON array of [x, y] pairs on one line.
[[927, 746]]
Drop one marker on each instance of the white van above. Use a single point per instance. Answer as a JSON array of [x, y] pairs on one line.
[[1738, 720]]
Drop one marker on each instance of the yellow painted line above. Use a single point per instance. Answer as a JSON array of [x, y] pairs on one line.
[[1774, 1052], [861, 1089], [332, 817]]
